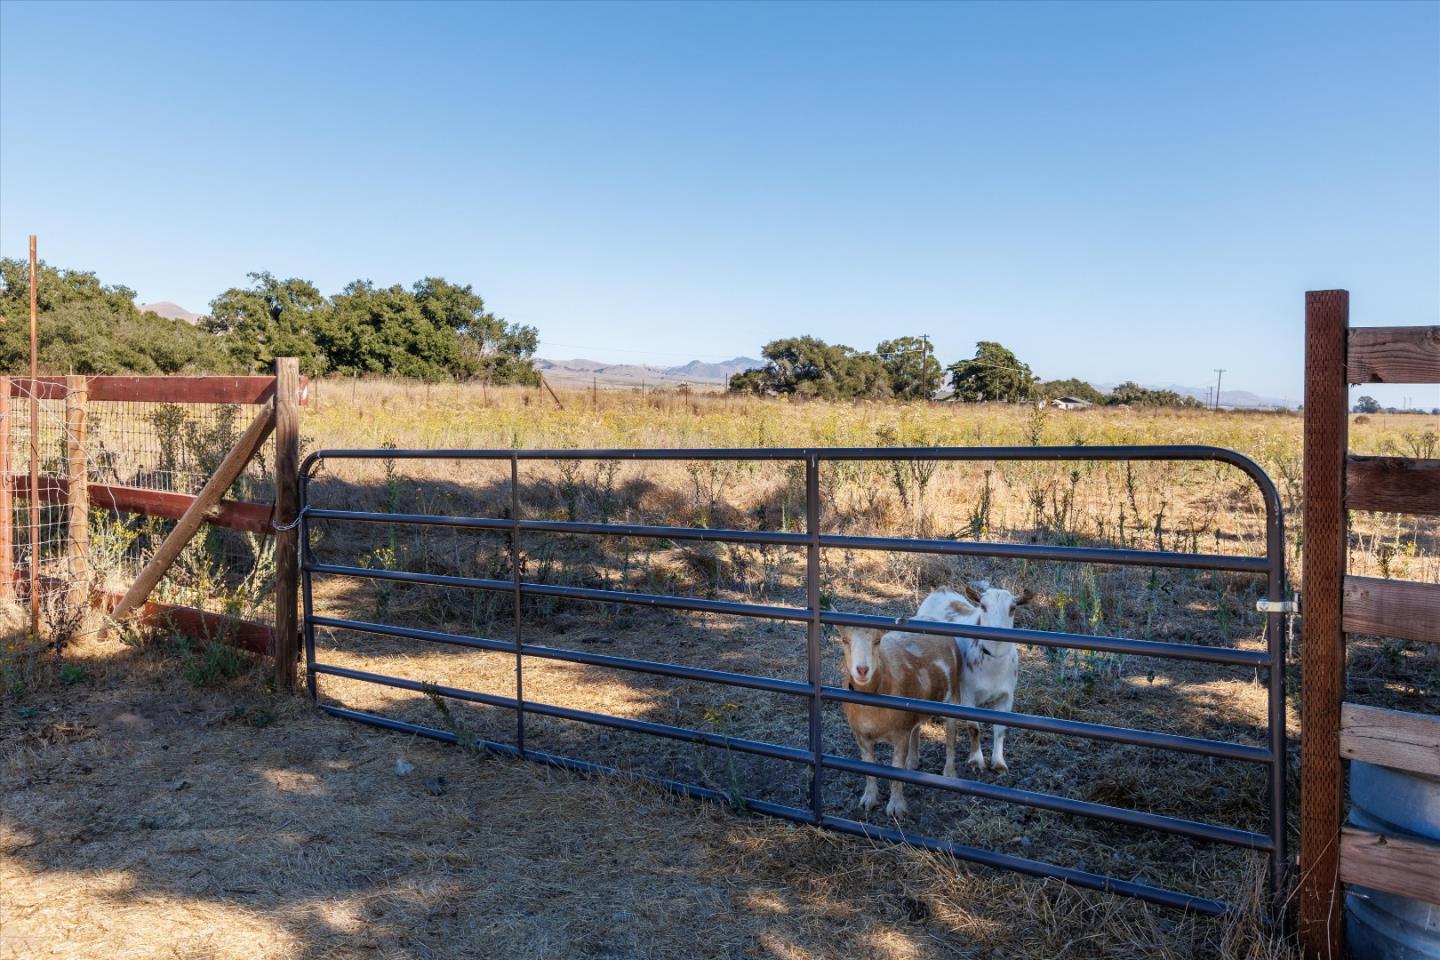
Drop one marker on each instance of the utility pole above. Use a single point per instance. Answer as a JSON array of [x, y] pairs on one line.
[[925, 367], [1219, 372]]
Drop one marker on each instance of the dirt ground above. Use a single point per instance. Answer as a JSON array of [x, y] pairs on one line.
[[144, 817]]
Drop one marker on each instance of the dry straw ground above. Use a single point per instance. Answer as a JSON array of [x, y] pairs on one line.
[[146, 816]]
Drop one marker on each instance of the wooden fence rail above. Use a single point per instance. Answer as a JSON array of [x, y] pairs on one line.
[[1390, 738], [239, 390]]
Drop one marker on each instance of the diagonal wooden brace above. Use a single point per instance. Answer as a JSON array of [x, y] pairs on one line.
[[190, 521]]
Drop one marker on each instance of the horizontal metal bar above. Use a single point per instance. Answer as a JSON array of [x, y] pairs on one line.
[[409, 576], [1070, 728], [718, 535], [676, 603], [1085, 452], [1140, 648], [414, 633], [414, 519], [1045, 638], [968, 548], [703, 674], [402, 683], [1033, 868], [566, 763], [1036, 551], [1045, 801], [629, 724], [574, 593], [658, 668]]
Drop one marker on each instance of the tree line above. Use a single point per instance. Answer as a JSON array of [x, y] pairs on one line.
[[432, 330], [905, 369]]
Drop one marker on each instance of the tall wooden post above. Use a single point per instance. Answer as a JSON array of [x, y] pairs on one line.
[[287, 500], [34, 448], [7, 498], [78, 492], [1322, 783]]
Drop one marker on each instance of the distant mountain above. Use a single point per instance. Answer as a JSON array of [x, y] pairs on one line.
[[714, 372], [1239, 399], [585, 372], [170, 311]]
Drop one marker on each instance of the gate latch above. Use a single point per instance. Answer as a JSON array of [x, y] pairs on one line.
[[1278, 606]]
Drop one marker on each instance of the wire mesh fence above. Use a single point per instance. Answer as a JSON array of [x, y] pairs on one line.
[[129, 446]]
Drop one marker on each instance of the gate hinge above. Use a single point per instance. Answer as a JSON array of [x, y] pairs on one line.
[[1279, 606]]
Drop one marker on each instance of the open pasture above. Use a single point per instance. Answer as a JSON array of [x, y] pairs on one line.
[[404, 869]]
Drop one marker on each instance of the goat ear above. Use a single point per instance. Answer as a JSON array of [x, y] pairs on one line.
[[972, 593], [1024, 598], [961, 607]]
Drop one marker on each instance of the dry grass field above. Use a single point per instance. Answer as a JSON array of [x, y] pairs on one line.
[[160, 801]]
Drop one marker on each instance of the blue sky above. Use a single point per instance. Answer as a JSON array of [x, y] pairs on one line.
[[1113, 191]]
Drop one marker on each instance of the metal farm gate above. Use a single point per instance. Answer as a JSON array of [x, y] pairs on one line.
[[814, 690]]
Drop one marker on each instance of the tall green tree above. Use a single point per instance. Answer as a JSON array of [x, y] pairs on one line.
[[914, 372], [272, 318], [1132, 394], [810, 367], [993, 374], [86, 326], [488, 348], [373, 329], [1050, 389], [434, 330]]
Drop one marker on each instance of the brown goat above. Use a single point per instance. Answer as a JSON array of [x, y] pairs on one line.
[[899, 665]]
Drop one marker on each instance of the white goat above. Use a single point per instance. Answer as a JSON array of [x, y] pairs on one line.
[[898, 665], [991, 668]]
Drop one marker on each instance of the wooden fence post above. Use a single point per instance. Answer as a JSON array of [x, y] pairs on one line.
[[7, 499], [77, 548], [287, 500], [1322, 781]]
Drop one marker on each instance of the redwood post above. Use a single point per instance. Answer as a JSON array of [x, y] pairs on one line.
[[7, 498], [1322, 783], [287, 500], [78, 492]]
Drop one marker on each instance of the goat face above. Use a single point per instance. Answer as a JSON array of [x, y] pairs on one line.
[[993, 607], [996, 606], [860, 646]]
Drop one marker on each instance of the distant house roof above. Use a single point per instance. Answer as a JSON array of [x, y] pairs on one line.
[[1069, 402]]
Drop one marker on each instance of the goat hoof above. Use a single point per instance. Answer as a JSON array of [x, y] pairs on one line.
[[868, 803], [999, 766], [897, 811], [950, 771], [977, 761]]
